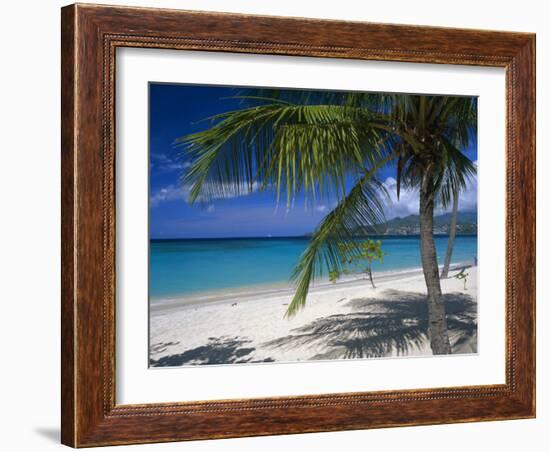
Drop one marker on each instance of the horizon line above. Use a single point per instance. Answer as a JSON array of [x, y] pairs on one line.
[[304, 236]]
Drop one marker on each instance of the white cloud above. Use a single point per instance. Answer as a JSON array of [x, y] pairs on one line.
[[210, 208], [161, 162], [467, 200], [174, 192], [408, 200], [407, 203], [321, 208], [169, 193]]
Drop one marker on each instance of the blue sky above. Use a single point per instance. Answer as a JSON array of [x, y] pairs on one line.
[[176, 110]]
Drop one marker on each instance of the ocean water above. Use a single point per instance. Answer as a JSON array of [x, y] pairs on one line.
[[183, 267]]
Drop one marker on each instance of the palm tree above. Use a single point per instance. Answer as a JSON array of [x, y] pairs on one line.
[[330, 147], [452, 235]]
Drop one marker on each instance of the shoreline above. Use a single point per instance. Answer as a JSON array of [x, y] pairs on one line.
[[281, 289], [348, 320]]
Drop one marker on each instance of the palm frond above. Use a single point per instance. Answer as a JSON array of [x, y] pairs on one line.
[[361, 208], [294, 148], [453, 175]]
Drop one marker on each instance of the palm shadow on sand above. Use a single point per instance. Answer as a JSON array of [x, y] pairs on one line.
[[218, 350], [394, 324]]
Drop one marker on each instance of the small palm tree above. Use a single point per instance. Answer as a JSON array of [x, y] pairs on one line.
[[452, 236], [331, 146]]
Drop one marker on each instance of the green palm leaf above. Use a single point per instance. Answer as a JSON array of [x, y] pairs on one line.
[[361, 208], [294, 148]]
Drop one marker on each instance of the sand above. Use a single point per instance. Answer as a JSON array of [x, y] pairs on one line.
[[346, 320]]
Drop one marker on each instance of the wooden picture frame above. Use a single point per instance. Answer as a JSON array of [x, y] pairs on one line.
[[90, 36]]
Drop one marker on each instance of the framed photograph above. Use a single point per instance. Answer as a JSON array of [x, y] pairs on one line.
[[278, 225]]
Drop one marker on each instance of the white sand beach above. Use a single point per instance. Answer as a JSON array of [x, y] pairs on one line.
[[346, 320]]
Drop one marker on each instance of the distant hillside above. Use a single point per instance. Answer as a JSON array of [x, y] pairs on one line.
[[466, 224]]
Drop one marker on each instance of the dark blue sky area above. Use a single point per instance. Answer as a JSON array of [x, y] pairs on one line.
[[177, 110]]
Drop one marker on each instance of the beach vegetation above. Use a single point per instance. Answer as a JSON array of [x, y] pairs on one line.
[[359, 262], [462, 276]]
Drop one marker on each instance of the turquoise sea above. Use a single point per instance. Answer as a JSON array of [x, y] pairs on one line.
[[179, 267]]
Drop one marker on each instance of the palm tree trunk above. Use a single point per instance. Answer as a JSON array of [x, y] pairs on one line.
[[369, 271], [439, 337], [452, 235]]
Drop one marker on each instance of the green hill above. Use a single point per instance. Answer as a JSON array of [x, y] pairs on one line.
[[409, 225]]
